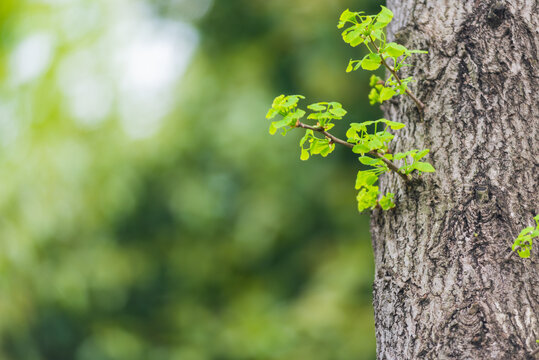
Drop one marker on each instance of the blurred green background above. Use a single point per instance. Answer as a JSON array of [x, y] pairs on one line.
[[146, 213]]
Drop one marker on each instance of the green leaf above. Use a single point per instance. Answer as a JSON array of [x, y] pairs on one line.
[[317, 107], [406, 169], [385, 136], [421, 154], [296, 115], [394, 125], [375, 143], [385, 15], [366, 198], [336, 110], [291, 100], [395, 50], [386, 94], [367, 123], [367, 160], [371, 62], [374, 97], [366, 23], [374, 80], [327, 150], [386, 202], [351, 135], [379, 25], [277, 101], [377, 33], [271, 113], [279, 124], [308, 134], [524, 253], [358, 126], [329, 126], [322, 147], [350, 66], [423, 167], [347, 16], [526, 231], [272, 129], [316, 146], [339, 112], [357, 40], [361, 149], [417, 52], [283, 104], [353, 35], [304, 155], [365, 178]]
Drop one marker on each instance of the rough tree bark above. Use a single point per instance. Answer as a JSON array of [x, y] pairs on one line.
[[444, 287]]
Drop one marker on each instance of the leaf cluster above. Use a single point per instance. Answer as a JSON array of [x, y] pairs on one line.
[[368, 30], [411, 161], [286, 106], [323, 113], [376, 143], [523, 243], [369, 139]]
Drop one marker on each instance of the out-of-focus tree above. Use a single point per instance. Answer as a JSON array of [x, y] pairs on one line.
[[143, 213]]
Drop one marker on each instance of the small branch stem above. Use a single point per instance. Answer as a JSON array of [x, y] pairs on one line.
[[418, 102], [375, 154], [391, 166], [326, 134]]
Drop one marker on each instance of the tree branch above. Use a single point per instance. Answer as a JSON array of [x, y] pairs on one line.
[[375, 154], [418, 102]]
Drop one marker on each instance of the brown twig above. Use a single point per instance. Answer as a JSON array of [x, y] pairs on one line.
[[418, 102], [326, 134], [375, 154]]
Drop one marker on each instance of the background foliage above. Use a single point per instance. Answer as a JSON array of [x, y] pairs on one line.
[[146, 212]]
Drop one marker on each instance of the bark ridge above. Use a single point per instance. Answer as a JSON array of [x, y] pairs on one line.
[[444, 287]]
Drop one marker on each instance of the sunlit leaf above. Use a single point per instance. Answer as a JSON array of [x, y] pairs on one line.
[[371, 62], [385, 15], [394, 50], [386, 94], [424, 167]]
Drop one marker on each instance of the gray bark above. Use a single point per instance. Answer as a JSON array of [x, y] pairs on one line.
[[444, 288]]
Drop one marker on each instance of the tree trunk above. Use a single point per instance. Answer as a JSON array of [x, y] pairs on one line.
[[445, 287]]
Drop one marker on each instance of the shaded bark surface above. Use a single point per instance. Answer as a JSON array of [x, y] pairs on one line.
[[444, 287]]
